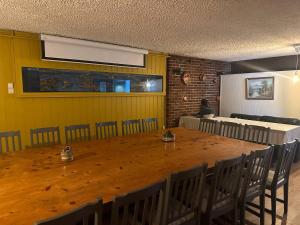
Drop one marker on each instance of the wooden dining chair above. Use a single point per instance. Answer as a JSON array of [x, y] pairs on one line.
[[279, 177], [256, 134], [75, 133], [230, 129], [130, 127], [184, 196], [208, 126], [10, 141], [89, 214], [223, 192], [257, 166], [45, 136], [106, 129], [143, 206], [150, 125]]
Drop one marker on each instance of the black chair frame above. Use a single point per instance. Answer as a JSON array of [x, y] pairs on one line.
[[142, 207], [106, 129], [44, 136], [223, 195], [75, 133], [208, 126], [254, 182], [6, 135], [184, 196], [130, 127], [230, 130], [256, 134], [88, 214], [150, 125], [281, 178]]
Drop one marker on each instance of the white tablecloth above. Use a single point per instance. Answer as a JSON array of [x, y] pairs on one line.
[[280, 133]]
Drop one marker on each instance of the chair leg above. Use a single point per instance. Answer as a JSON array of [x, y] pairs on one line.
[[273, 203], [242, 213], [200, 219], [235, 215], [205, 219], [286, 197], [208, 221], [262, 209]]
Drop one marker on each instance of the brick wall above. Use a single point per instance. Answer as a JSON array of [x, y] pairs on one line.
[[196, 89]]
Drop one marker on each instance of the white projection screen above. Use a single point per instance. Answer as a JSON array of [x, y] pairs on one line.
[[82, 51]]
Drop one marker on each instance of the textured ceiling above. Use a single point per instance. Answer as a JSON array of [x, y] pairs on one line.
[[215, 29]]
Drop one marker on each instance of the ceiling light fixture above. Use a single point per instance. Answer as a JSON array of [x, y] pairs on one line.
[[296, 77]]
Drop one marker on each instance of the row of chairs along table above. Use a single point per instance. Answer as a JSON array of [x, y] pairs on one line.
[[196, 196], [257, 134], [39, 137]]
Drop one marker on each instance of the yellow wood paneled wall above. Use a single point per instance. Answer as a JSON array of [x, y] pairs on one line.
[[22, 112]]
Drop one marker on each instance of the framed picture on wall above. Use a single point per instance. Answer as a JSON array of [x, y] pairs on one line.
[[261, 88]]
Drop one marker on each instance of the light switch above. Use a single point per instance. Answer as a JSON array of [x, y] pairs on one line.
[[10, 87]]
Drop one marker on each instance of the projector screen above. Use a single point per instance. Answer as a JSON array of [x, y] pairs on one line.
[[82, 51]]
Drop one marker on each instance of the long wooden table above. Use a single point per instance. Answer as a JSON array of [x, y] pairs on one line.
[[36, 184]]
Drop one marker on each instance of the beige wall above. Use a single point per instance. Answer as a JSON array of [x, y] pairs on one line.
[[286, 101]]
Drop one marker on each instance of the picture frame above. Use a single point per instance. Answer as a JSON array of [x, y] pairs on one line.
[[261, 88]]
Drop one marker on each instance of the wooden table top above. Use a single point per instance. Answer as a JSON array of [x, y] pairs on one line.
[[35, 184]]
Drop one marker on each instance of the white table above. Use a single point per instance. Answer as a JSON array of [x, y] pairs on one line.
[[280, 133]]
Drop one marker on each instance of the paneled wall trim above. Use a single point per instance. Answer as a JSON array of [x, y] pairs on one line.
[[22, 112], [204, 83]]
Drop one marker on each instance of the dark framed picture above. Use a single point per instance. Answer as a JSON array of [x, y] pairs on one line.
[[261, 88]]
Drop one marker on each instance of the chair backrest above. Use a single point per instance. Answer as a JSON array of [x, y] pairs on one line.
[[131, 127], [76, 133], [88, 214], [184, 194], [225, 183], [45, 136], [230, 130], [139, 207], [10, 141], [235, 115], [257, 168], [150, 125], [208, 126], [106, 129], [256, 134], [285, 160]]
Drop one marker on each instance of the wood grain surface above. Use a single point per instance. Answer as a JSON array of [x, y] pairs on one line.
[[36, 184]]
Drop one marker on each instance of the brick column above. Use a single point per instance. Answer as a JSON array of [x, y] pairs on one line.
[[196, 89]]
